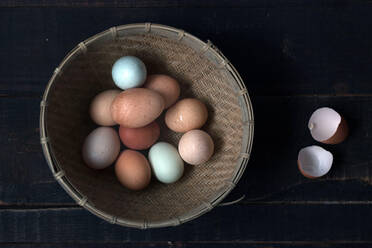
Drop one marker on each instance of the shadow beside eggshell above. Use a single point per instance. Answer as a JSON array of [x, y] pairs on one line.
[[340, 135]]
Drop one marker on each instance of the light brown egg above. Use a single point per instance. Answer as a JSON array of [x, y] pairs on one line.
[[140, 138], [137, 107], [166, 86], [133, 170], [186, 114], [196, 147], [100, 107]]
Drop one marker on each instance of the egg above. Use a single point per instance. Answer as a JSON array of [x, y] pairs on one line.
[[133, 170], [314, 161], [140, 138], [186, 114], [196, 147], [129, 72], [101, 148], [328, 126], [100, 107], [166, 86], [166, 163], [137, 107]]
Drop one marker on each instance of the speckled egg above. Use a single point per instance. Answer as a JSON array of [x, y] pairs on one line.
[[129, 72], [140, 138], [166, 163], [101, 148]]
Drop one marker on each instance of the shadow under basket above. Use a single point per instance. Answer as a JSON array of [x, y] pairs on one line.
[[202, 71]]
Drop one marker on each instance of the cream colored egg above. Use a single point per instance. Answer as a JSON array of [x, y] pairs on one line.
[[137, 107], [100, 108], [196, 147]]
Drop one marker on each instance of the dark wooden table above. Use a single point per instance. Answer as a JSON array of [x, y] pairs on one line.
[[294, 56]]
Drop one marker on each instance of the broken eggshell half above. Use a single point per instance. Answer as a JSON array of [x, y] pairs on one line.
[[314, 161], [327, 126]]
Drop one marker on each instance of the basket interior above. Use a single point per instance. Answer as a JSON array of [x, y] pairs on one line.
[[67, 124]]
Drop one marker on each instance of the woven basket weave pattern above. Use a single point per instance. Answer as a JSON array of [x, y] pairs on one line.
[[66, 122]]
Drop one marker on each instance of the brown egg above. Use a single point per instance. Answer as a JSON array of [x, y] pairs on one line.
[[140, 138], [196, 147], [133, 170], [166, 86], [100, 108], [186, 114], [137, 107]]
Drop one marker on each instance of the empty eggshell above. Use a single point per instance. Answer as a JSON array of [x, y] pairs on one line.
[[133, 170], [101, 147], [136, 107], [196, 147], [186, 114], [328, 126], [166, 86], [140, 138], [100, 107], [314, 161], [166, 163]]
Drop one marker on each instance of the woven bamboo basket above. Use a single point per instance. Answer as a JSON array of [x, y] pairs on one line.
[[202, 72]]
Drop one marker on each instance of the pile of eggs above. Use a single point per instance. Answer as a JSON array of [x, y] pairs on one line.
[[136, 109], [328, 127]]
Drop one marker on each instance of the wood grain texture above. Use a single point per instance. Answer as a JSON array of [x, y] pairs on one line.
[[279, 51], [280, 133], [171, 3], [294, 56], [305, 223], [217, 244]]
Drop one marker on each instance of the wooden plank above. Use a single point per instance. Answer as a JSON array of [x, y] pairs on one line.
[[220, 244], [24, 174], [243, 223], [280, 50], [166, 3], [272, 174]]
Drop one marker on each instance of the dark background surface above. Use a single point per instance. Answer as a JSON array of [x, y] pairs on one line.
[[294, 56]]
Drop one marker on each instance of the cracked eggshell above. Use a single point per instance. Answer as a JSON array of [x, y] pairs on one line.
[[101, 148], [100, 108], [314, 161], [140, 138], [327, 126]]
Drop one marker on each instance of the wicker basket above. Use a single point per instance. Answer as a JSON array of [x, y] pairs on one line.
[[202, 71]]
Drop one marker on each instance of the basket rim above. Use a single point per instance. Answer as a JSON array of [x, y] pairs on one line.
[[247, 118]]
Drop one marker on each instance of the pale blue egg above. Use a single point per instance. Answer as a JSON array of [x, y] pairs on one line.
[[129, 72], [166, 163]]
